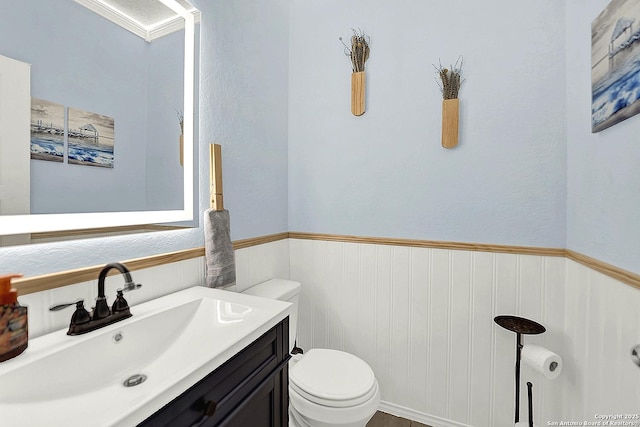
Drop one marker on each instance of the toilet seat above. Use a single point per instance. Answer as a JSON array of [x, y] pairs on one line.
[[308, 413], [333, 378]]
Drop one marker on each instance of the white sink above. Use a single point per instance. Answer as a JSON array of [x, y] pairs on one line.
[[173, 341]]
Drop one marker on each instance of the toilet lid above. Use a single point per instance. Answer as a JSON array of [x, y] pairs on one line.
[[333, 378]]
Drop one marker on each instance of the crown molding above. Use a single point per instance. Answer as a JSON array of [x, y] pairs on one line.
[[148, 34], [115, 17]]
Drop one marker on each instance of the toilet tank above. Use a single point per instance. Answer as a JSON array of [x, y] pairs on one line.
[[282, 290]]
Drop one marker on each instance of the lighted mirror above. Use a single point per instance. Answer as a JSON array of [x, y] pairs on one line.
[[96, 114]]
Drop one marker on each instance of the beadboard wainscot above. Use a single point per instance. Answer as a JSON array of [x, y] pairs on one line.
[[421, 314]]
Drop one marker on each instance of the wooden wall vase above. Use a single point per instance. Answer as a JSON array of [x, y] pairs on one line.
[[450, 121], [357, 93], [181, 150]]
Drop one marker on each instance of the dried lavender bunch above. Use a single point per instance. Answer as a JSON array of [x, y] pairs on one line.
[[180, 120], [359, 50], [450, 79]]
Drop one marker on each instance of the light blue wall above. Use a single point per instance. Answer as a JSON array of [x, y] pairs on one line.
[[243, 106], [603, 179], [245, 109], [385, 173]]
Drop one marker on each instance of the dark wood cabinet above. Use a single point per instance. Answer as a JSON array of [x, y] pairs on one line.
[[250, 389]]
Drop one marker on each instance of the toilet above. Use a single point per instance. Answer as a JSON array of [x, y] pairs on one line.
[[326, 387]]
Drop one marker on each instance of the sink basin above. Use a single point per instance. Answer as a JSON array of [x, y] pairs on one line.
[[167, 346]]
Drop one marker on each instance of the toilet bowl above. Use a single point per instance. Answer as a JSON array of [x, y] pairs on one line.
[[326, 387]]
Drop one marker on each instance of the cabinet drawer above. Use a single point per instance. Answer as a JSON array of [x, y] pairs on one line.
[[228, 386]]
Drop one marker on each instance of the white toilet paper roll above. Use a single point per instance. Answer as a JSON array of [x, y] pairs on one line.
[[542, 360]]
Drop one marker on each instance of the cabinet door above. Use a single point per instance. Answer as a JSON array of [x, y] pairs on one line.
[[259, 409]]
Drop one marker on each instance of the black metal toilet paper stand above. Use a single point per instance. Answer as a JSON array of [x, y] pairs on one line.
[[520, 326]]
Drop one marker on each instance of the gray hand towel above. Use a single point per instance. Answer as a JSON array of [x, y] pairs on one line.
[[221, 267]]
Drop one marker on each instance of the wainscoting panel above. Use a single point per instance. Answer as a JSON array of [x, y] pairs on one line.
[[602, 326], [256, 264], [423, 319]]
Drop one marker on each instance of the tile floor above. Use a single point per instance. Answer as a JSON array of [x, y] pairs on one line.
[[381, 419]]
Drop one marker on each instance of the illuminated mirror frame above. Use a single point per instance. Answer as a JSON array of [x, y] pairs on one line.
[[37, 223]]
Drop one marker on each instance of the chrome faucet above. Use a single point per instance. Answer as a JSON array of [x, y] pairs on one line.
[[82, 321]]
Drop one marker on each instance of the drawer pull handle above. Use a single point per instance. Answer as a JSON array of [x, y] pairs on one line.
[[209, 408]]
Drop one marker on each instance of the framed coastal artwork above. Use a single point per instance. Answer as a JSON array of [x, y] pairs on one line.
[[47, 130], [91, 139], [615, 64]]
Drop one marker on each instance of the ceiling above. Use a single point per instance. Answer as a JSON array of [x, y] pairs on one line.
[[148, 19]]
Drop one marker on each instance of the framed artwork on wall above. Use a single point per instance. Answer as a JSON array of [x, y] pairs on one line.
[[47, 130], [615, 64], [91, 139]]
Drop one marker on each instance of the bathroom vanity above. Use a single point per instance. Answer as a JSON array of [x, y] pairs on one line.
[[250, 389], [199, 355]]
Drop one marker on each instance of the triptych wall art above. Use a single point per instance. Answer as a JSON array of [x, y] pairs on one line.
[[615, 64], [89, 136]]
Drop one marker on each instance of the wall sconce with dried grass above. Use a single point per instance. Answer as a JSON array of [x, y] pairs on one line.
[[450, 86], [358, 53]]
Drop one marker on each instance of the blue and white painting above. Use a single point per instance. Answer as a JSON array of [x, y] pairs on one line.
[[615, 64], [91, 139], [47, 130]]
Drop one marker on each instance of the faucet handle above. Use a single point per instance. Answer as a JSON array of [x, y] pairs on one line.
[[58, 307], [120, 304], [80, 316]]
